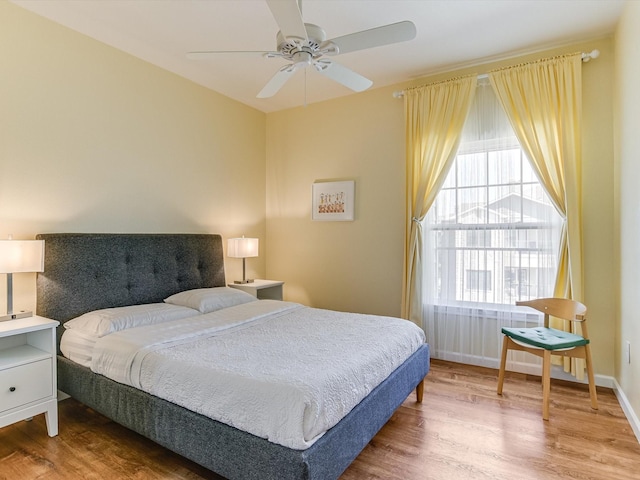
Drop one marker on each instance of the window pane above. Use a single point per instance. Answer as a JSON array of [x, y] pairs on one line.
[[527, 171], [504, 167], [535, 191], [472, 204], [478, 280], [445, 207], [472, 169], [505, 204]]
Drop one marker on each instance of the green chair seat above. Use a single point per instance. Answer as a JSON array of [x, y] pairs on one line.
[[547, 338]]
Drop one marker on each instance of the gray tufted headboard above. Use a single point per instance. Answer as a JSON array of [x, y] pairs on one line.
[[87, 271]]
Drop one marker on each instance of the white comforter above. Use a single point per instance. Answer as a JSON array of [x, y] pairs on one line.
[[278, 370]]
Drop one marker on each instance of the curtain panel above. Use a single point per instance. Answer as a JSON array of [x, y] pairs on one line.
[[543, 101], [435, 115]]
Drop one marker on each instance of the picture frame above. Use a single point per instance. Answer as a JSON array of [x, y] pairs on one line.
[[333, 201]]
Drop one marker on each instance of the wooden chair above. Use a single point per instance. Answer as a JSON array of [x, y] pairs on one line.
[[545, 341]]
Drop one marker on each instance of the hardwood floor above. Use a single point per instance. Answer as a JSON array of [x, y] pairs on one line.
[[462, 430]]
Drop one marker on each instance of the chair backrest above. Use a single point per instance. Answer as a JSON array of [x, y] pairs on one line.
[[562, 308]]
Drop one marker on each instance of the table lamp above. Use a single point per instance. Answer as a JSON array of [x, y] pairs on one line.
[[242, 248], [19, 256]]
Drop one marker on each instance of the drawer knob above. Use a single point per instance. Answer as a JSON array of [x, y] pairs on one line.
[[12, 389]]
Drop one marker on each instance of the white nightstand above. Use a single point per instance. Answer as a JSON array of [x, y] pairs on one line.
[[28, 382], [262, 289]]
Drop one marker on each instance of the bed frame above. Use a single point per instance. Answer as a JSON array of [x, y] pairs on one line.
[[85, 272]]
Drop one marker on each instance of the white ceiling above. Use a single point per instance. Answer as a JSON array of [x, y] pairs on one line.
[[451, 34]]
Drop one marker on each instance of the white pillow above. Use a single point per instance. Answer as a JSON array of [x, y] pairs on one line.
[[207, 300], [109, 320]]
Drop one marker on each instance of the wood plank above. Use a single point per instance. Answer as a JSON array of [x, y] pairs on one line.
[[462, 430]]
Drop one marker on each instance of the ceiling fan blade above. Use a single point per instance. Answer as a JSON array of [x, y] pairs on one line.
[[212, 54], [343, 75], [289, 18], [277, 81], [374, 37]]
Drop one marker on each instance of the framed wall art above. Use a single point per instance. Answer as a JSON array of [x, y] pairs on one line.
[[333, 201]]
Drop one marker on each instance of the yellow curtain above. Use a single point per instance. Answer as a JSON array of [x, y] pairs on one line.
[[543, 101], [435, 115]]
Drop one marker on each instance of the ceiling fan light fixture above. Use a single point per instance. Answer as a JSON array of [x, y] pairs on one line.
[[301, 59], [288, 46]]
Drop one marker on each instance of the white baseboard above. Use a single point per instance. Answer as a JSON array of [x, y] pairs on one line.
[[601, 380], [627, 409]]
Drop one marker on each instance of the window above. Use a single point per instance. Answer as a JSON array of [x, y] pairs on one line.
[[491, 238], [492, 234]]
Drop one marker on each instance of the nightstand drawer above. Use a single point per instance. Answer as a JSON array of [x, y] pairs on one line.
[[25, 384]]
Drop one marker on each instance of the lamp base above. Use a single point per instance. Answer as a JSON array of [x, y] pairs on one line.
[[241, 282], [15, 316]]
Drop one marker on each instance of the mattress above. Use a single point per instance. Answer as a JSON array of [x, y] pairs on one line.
[[78, 346]]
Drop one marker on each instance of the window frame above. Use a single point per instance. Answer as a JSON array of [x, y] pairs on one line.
[[531, 248]]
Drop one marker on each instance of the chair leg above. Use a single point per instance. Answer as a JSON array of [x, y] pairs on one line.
[[592, 383], [503, 363], [546, 383]]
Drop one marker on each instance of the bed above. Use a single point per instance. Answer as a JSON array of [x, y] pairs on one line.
[[88, 272]]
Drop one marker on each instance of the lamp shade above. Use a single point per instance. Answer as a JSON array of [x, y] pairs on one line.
[[242, 247], [19, 256]]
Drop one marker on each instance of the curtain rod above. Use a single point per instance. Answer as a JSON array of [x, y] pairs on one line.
[[586, 56]]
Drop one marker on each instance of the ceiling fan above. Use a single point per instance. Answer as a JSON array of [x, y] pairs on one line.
[[305, 44]]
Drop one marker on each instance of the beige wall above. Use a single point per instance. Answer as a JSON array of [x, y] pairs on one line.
[[353, 266], [627, 134], [92, 139], [357, 266]]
